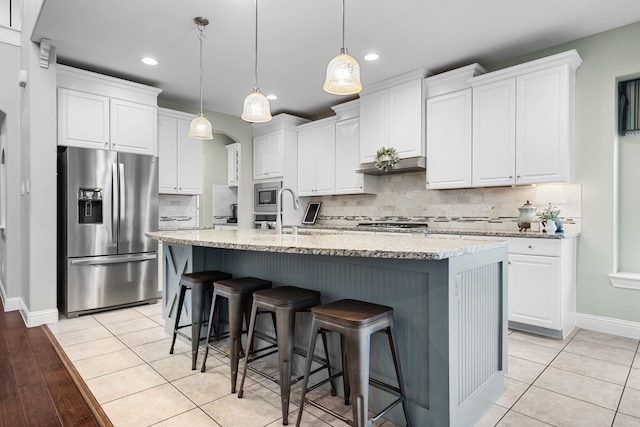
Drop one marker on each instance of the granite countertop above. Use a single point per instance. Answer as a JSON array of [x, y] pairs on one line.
[[331, 242]]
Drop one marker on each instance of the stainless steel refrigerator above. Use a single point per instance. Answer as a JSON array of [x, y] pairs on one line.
[[106, 202]]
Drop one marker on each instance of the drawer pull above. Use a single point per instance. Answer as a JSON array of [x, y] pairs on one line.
[[530, 246]]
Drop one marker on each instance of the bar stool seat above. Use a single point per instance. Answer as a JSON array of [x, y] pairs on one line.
[[285, 302], [356, 321], [199, 284], [239, 295]]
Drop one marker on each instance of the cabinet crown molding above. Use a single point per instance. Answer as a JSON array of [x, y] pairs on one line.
[[99, 84], [347, 110], [452, 81], [279, 122], [175, 114], [316, 123], [570, 58], [394, 81]]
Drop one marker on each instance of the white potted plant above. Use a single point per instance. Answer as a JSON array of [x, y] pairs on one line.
[[549, 216]]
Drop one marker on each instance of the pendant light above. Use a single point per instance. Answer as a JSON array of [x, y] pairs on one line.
[[200, 127], [343, 72], [256, 105]]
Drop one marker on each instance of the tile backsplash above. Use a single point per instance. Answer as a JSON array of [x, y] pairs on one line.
[[403, 197]]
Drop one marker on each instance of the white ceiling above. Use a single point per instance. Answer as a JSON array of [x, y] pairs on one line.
[[297, 38]]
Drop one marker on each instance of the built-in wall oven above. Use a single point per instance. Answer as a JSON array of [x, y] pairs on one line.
[[264, 203]]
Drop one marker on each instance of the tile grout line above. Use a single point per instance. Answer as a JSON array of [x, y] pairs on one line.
[[534, 380]]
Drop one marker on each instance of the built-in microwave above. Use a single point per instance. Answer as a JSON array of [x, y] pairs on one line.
[[264, 196]]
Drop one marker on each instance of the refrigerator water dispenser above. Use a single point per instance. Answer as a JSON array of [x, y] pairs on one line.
[[90, 206]]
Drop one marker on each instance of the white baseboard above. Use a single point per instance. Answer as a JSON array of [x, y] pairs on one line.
[[10, 304], [37, 318], [608, 325]]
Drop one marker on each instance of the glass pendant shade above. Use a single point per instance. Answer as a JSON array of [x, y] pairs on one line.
[[200, 128], [343, 75], [256, 108]]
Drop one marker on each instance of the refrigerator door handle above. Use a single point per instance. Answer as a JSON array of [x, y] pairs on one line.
[[114, 204], [122, 195], [114, 259]]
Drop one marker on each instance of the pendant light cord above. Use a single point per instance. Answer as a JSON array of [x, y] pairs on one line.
[[343, 25], [256, 45], [201, 37]]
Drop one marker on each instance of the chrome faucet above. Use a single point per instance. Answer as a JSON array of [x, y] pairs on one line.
[[296, 206]]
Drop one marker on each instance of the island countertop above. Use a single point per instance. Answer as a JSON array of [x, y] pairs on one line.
[[333, 243]]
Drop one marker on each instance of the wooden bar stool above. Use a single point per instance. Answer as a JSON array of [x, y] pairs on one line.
[[285, 302], [356, 321], [239, 295], [199, 284]]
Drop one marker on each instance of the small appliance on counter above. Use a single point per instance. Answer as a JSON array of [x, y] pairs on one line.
[[224, 205], [233, 219]]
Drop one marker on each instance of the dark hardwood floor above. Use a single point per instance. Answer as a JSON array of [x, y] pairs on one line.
[[38, 385]]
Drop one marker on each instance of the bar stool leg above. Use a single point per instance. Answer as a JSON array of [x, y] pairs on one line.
[[345, 370], [305, 381], [396, 364], [212, 313], [183, 291], [252, 325], [197, 303], [358, 344], [235, 334], [326, 355], [285, 324]]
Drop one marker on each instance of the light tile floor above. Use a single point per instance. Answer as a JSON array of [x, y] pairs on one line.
[[588, 379]]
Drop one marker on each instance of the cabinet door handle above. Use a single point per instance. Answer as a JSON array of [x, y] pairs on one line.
[[510, 176]]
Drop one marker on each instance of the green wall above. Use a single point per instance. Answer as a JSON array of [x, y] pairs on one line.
[[608, 57], [227, 129]]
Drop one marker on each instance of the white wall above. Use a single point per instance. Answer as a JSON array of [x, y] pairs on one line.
[[10, 245], [38, 175]]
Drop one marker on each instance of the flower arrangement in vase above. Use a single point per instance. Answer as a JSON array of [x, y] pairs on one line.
[[549, 217]]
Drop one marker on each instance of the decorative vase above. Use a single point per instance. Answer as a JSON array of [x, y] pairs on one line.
[[550, 226]]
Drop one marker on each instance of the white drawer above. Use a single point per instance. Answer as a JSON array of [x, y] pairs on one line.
[[529, 246]]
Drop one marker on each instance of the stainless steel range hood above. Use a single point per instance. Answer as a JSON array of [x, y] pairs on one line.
[[411, 164]]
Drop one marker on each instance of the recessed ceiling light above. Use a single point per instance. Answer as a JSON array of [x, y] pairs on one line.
[[371, 57], [272, 97], [149, 61]]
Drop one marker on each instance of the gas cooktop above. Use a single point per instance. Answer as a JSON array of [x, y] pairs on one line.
[[394, 224]]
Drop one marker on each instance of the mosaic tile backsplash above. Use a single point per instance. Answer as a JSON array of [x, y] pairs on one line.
[[403, 197]]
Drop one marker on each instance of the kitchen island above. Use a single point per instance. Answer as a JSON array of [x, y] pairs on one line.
[[448, 295]]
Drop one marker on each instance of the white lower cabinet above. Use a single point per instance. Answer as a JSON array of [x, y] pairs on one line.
[[542, 285]]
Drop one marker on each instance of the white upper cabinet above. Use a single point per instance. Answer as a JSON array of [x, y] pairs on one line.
[[391, 115], [544, 126], [449, 140], [448, 123], [181, 159], [96, 111], [268, 155], [83, 119], [133, 127], [515, 127], [316, 158], [233, 164], [523, 123], [348, 181], [494, 132]]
